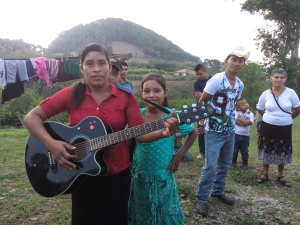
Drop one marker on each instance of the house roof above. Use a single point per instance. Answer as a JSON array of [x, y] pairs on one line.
[[186, 71]]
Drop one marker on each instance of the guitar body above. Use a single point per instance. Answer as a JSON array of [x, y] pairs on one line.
[[48, 178]]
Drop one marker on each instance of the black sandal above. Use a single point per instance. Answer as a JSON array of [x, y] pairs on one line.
[[284, 182], [261, 180]]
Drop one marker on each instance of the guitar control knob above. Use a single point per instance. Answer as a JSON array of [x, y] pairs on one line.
[[188, 121], [194, 105], [185, 106], [197, 117], [205, 114], [202, 107]]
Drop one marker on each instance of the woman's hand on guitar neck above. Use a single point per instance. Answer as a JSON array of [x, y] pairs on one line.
[[60, 154]]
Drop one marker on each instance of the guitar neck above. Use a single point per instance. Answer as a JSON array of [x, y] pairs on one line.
[[116, 137]]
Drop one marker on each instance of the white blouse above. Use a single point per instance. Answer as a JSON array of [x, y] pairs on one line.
[[273, 114]]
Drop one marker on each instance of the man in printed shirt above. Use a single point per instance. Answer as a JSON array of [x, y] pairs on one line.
[[221, 92]]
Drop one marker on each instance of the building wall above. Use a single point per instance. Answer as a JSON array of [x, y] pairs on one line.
[[120, 47]]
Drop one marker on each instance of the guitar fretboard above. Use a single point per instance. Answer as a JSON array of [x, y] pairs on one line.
[[116, 137]]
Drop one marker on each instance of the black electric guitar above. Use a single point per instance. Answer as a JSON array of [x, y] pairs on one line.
[[90, 137]]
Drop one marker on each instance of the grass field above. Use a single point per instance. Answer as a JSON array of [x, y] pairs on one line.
[[20, 204]]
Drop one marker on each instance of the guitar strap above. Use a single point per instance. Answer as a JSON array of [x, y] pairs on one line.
[[161, 108], [278, 103]]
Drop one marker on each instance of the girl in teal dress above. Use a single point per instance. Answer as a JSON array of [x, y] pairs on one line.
[[154, 196]]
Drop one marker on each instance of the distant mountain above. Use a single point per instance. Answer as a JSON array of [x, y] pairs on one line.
[[123, 37]]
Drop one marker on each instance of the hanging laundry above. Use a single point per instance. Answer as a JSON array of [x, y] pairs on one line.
[[42, 70], [33, 62], [13, 73], [13, 90], [2, 73], [72, 67], [30, 70], [64, 75], [53, 66], [14, 69]]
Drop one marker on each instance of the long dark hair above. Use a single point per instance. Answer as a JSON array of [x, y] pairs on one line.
[[159, 79], [78, 88]]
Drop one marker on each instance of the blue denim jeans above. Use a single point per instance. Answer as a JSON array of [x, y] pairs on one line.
[[187, 156], [241, 145], [218, 158]]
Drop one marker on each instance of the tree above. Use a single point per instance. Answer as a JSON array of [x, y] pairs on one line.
[[255, 83], [292, 67], [19, 49], [213, 66], [281, 42]]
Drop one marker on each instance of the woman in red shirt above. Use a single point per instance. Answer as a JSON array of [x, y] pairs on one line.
[[99, 199]]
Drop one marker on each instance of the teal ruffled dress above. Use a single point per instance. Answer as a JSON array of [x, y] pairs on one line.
[[154, 196]]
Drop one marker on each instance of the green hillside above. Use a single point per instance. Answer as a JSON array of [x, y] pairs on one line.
[[105, 31]]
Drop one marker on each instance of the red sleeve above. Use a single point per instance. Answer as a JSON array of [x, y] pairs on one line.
[[57, 103]]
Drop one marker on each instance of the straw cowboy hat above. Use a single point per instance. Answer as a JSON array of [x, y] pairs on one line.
[[239, 51]]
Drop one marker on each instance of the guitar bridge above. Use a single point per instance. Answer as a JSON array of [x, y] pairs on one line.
[[52, 162]]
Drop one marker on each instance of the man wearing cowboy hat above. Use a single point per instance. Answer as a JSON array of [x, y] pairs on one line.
[[221, 92]]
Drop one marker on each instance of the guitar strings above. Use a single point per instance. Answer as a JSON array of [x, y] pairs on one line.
[[116, 137], [110, 139], [113, 138]]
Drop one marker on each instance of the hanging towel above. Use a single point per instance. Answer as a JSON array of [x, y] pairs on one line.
[[42, 70], [72, 67], [30, 70], [53, 66]]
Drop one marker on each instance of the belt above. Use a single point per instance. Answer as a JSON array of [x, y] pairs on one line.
[[221, 133]]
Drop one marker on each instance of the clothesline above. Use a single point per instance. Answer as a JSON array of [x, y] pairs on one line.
[[57, 58], [14, 72]]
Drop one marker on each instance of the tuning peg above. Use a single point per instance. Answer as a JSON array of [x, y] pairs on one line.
[[194, 105], [185, 108]]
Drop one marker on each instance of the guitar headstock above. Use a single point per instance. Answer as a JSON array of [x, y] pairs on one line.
[[190, 115]]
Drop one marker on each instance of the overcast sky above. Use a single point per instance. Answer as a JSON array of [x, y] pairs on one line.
[[205, 28]]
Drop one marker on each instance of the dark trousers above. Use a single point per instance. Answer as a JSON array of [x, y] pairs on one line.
[[241, 145], [102, 200], [201, 143]]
